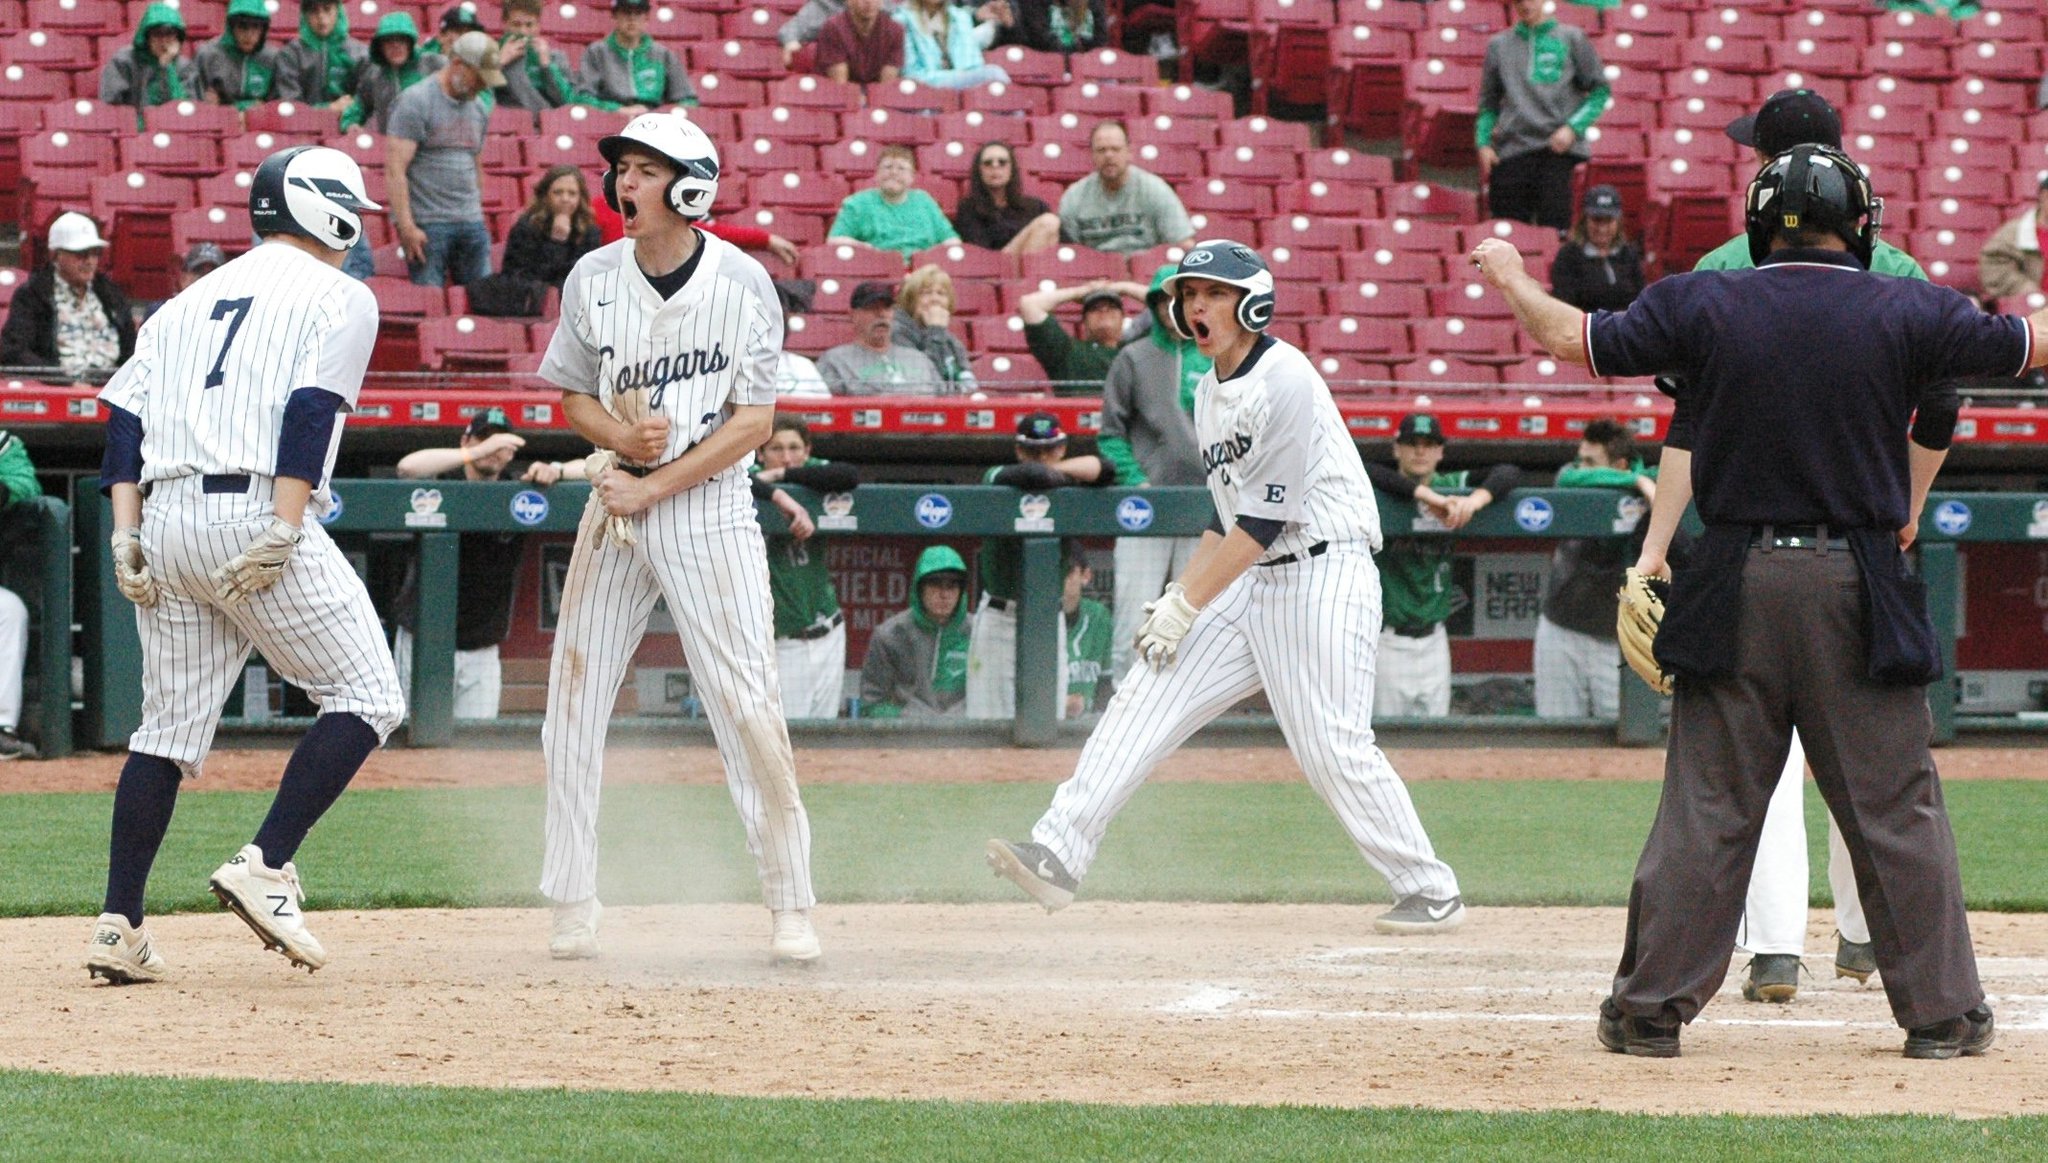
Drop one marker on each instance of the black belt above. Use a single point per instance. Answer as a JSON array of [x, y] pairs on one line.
[[1316, 550], [813, 633], [1814, 537], [1419, 630], [633, 469], [1000, 603]]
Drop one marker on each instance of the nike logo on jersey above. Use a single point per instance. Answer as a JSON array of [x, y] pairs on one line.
[[655, 375], [607, 302]]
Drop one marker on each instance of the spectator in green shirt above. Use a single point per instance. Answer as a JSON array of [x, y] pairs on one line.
[[1077, 366], [1089, 628], [892, 215]]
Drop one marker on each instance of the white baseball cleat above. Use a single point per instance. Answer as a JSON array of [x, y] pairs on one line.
[[795, 941], [121, 954], [267, 899], [575, 935]]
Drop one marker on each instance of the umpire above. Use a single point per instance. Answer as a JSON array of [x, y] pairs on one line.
[[1809, 424]]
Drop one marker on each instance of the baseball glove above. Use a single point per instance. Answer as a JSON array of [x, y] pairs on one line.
[[257, 567], [1637, 618], [619, 529], [131, 569]]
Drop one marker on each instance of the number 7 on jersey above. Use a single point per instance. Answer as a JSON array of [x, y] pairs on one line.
[[222, 309]]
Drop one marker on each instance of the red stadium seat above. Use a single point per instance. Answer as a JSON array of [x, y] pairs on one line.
[[1003, 371], [1410, 234], [1846, 24], [1185, 101], [730, 91], [1170, 132], [1051, 161], [974, 127], [1067, 264], [812, 192], [754, 22], [575, 23], [1346, 166], [193, 117], [1333, 199], [292, 119], [224, 226], [1972, 121], [1826, 58], [1700, 80], [996, 333], [1881, 88], [361, 144], [1425, 200], [1968, 183], [69, 149], [1029, 67], [31, 85], [1345, 374], [1174, 165], [1108, 66], [1474, 339], [1383, 338], [783, 123], [1218, 224], [1309, 232], [1918, 60], [177, 155], [965, 262], [757, 60], [1998, 60], [1029, 100], [815, 334], [846, 261], [1472, 299], [1234, 197], [1384, 264], [1441, 371], [84, 116], [1097, 99], [82, 18], [1260, 165], [1727, 54], [469, 343], [1541, 371], [889, 127], [1701, 114], [907, 96], [583, 121], [815, 93], [766, 155]]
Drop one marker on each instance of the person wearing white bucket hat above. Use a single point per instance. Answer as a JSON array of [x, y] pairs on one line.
[[69, 314]]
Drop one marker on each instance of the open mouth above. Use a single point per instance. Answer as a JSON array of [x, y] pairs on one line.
[[1201, 331], [630, 209]]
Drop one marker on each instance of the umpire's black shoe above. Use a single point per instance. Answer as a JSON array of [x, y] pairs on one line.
[[1640, 1037], [1967, 1035]]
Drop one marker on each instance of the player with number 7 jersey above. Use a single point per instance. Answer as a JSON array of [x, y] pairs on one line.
[[221, 434]]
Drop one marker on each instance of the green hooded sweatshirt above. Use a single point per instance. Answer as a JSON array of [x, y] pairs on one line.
[[341, 62], [160, 85], [378, 85], [912, 650], [1193, 366], [255, 72]]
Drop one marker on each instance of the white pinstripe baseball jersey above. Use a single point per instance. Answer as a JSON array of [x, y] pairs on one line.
[[1275, 446], [214, 367], [717, 343]]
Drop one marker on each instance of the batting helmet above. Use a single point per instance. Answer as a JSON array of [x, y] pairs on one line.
[[678, 141], [1813, 186], [313, 192], [1226, 262]]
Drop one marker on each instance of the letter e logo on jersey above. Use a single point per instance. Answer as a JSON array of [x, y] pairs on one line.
[[1134, 514], [933, 511], [426, 510], [1534, 514], [1952, 517], [1276, 494], [529, 507]]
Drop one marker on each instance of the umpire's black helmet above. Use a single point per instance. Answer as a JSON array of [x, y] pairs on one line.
[[1226, 262], [1813, 186]]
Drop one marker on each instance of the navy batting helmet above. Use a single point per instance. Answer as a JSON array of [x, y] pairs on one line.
[[1226, 262], [1811, 186], [311, 191]]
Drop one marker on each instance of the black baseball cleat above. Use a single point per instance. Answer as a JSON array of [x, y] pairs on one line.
[[1639, 1037], [1033, 868], [1857, 959], [1772, 977], [1416, 913], [1966, 1035]]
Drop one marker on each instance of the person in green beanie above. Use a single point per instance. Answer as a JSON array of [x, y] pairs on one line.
[[319, 66], [917, 660], [395, 65], [240, 68], [154, 69]]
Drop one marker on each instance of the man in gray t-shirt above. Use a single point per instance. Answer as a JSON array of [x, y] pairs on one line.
[[1120, 207], [436, 139], [873, 365]]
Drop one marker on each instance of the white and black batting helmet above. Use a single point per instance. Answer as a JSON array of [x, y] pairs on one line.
[[313, 192], [1226, 262], [683, 145]]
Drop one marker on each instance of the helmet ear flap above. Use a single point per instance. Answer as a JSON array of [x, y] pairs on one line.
[[1255, 311], [611, 187], [1176, 316]]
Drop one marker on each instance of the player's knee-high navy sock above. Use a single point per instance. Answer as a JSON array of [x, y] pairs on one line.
[[321, 766], [143, 803]]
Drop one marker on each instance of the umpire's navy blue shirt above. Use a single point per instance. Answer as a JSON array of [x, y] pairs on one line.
[[1799, 378]]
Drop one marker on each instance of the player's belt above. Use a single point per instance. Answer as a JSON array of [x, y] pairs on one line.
[[813, 633], [225, 482], [1419, 630], [633, 469], [999, 603], [1316, 550], [1814, 537]]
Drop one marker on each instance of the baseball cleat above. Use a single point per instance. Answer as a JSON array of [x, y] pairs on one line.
[[1416, 913], [1637, 1037], [795, 942], [122, 955], [1773, 977], [267, 899], [1966, 1035], [575, 935], [1033, 868], [1857, 959]]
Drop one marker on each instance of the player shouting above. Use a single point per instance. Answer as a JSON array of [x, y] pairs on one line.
[[666, 358], [1281, 596], [221, 433]]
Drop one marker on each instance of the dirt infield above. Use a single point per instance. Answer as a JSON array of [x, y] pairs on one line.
[[1148, 1003], [514, 767]]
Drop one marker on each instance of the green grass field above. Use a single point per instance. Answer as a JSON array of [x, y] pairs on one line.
[[1525, 843]]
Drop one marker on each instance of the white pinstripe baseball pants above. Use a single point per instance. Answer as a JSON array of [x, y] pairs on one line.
[[1774, 912], [703, 552], [1305, 633], [316, 626]]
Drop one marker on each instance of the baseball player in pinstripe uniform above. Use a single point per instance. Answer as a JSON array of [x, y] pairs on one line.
[[1281, 596], [666, 357], [221, 433]]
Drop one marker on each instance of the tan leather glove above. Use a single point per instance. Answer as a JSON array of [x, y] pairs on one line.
[[258, 567], [1166, 623], [131, 569], [1637, 617], [619, 529]]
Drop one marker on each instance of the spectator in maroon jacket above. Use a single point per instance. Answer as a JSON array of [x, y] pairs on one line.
[[861, 45]]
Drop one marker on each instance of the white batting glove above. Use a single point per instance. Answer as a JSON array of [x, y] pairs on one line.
[[619, 529], [1166, 623], [258, 567], [131, 569]]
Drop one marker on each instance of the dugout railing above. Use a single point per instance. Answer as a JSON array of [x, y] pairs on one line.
[[35, 562], [112, 705]]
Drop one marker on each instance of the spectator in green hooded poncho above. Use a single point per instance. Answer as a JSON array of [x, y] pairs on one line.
[[240, 68], [395, 65], [154, 69], [917, 660], [319, 67]]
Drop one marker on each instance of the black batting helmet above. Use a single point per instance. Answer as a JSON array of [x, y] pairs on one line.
[[1813, 186], [1226, 262]]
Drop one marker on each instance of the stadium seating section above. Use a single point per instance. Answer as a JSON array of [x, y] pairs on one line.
[[1364, 250]]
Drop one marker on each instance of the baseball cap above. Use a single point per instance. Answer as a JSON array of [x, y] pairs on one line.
[[1419, 426], [479, 52], [1602, 202], [1787, 118], [461, 16], [204, 256], [796, 295], [630, 5], [873, 295], [75, 232], [488, 422], [1103, 296], [1040, 430]]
